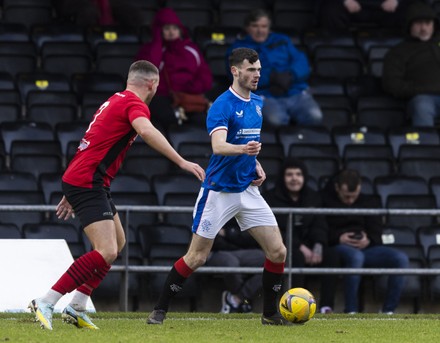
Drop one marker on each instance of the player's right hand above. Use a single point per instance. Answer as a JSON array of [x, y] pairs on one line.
[[252, 148], [194, 169]]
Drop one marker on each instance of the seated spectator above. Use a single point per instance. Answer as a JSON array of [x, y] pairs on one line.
[[234, 248], [411, 69], [284, 74], [337, 16], [309, 245], [97, 12], [358, 239], [181, 65]]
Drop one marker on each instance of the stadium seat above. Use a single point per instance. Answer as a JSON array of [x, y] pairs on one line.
[[427, 237], [36, 164], [136, 199], [18, 63], [426, 168], [367, 151], [35, 147], [65, 231], [180, 199], [12, 131], [18, 217], [49, 184], [194, 134], [96, 82], [289, 136], [27, 15], [411, 202], [10, 231], [356, 135], [147, 166], [319, 167], [398, 235], [13, 181], [232, 13], [399, 185], [193, 13], [13, 32], [130, 183], [371, 167], [401, 136], [55, 37], [174, 183], [434, 186], [296, 15], [69, 132], [67, 64], [313, 150], [424, 151], [41, 82]]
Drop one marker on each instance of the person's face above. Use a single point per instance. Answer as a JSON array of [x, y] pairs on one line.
[[247, 75], [422, 29], [293, 179], [170, 32], [259, 29], [346, 196]]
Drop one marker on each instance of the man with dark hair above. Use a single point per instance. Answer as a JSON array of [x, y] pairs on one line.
[[231, 189], [358, 240], [309, 246], [411, 69]]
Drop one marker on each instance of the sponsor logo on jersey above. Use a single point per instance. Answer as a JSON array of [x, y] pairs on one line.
[[258, 109]]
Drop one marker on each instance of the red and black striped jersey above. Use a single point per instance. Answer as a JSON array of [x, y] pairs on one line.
[[106, 141]]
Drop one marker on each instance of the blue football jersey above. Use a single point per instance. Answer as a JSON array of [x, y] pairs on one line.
[[242, 118]]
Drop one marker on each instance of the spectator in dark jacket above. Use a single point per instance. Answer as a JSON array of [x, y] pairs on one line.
[[358, 239], [309, 245], [234, 248], [411, 69], [284, 74], [181, 65]]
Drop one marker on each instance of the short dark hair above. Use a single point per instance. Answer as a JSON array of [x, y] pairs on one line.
[[143, 67], [349, 177], [255, 15], [238, 55]]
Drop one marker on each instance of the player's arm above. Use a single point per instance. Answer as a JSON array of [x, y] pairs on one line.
[[154, 138], [221, 147]]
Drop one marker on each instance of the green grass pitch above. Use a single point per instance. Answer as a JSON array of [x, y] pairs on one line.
[[212, 327]]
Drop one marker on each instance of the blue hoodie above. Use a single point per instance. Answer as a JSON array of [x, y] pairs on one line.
[[277, 53]]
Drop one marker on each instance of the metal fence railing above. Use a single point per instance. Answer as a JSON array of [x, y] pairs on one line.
[[126, 268]]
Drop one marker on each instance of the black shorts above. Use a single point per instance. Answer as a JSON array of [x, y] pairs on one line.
[[90, 204]]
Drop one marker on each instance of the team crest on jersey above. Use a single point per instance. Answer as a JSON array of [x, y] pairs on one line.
[[258, 109]]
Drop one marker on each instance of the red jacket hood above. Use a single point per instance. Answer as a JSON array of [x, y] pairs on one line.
[[166, 16]]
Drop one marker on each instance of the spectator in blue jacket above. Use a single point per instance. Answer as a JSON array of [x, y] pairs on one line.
[[285, 70]]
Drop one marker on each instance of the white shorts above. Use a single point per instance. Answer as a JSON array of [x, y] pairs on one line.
[[214, 209]]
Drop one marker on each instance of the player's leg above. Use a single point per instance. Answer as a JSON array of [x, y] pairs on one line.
[[210, 214], [95, 212], [75, 312], [257, 217], [196, 256]]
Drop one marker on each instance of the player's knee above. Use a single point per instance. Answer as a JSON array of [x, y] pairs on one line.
[[109, 255], [278, 255]]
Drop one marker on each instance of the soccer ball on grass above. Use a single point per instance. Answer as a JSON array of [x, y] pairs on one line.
[[297, 305]]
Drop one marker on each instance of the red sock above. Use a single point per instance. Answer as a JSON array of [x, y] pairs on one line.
[[79, 272], [182, 268], [93, 283]]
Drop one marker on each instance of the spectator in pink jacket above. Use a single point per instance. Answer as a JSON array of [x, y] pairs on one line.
[[181, 64]]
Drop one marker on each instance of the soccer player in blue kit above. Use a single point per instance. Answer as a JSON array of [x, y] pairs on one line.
[[230, 189]]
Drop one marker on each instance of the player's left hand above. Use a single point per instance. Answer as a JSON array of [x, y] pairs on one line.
[[261, 175], [64, 210]]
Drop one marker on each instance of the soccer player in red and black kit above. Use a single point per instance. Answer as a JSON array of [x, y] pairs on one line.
[[86, 188]]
